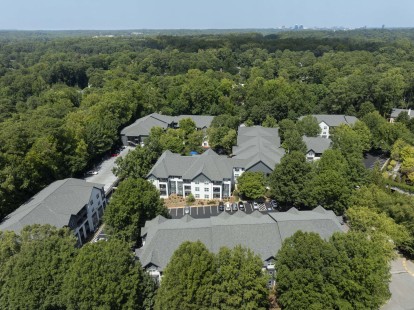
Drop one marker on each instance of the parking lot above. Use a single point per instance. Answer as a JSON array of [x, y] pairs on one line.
[[208, 211]]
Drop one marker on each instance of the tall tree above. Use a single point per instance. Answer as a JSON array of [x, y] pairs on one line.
[[134, 202], [288, 179], [93, 282], [239, 280], [33, 278], [308, 126], [188, 279], [251, 185]]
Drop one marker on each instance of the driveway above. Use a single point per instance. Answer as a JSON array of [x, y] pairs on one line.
[[104, 169], [401, 286]]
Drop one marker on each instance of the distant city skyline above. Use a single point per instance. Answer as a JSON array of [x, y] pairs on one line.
[[193, 14]]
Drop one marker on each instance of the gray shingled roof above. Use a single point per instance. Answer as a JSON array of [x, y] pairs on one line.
[[142, 126], [255, 144], [53, 205], [213, 166], [395, 112], [262, 233], [317, 144], [201, 121], [334, 120]]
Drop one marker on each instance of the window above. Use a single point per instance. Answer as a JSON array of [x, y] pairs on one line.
[[197, 195], [206, 183], [206, 196], [196, 182], [206, 189], [325, 127], [91, 202], [97, 196], [197, 189]]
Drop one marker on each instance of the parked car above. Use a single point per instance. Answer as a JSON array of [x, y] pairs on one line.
[[234, 206], [241, 205], [255, 205], [273, 203], [221, 206], [114, 154], [228, 206], [187, 210], [92, 172]]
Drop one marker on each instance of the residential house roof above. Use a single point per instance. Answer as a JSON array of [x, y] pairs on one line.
[[334, 120], [210, 164], [258, 144], [317, 144], [142, 126], [262, 233], [53, 205], [395, 112]]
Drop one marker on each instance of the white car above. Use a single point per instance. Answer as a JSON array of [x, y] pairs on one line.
[[92, 172], [228, 206], [255, 205], [187, 210]]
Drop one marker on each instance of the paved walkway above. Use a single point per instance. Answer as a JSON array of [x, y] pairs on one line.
[[401, 286]]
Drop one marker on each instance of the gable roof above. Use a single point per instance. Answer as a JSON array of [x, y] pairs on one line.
[[317, 144], [258, 144], [334, 120], [262, 233], [210, 164], [53, 205], [143, 125]]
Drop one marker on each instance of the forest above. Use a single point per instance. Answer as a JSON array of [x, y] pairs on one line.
[[64, 97], [63, 100]]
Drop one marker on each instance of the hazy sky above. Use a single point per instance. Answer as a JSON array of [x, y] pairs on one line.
[[202, 14]]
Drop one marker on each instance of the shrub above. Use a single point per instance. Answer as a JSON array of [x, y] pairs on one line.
[[190, 198]]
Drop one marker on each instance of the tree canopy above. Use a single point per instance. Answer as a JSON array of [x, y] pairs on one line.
[[198, 279], [134, 202]]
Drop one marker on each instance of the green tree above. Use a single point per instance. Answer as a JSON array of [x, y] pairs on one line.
[[329, 185], [187, 282], [9, 246], [136, 164], [351, 271], [222, 137], [37, 270], [251, 185], [288, 179], [269, 122], [134, 202], [188, 125], [304, 267], [293, 142], [308, 126], [239, 281], [104, 286], [378, 225], [362, 271]]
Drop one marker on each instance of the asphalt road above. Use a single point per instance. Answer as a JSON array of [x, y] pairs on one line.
[[208, 211], [401, 286], [104, 169]]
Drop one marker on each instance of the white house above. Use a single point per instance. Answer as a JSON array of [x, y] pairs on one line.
[[211, 176], [328, 122], [315, 146]]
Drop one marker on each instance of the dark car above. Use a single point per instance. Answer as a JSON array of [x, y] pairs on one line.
[[241, 205], [273, 203], [221, 206]]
